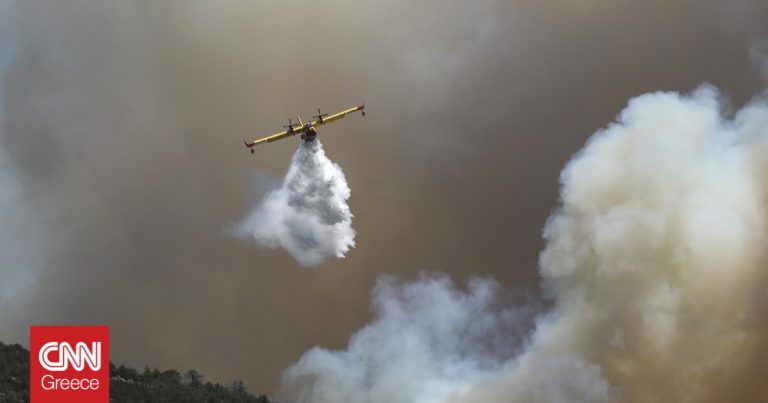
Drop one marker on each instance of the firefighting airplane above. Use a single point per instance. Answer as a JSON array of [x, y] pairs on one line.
[[307, 130]]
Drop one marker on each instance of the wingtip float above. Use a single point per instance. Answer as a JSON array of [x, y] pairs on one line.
[[306, 130]]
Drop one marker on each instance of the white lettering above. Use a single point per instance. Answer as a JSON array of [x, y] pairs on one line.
[[48, 382], [76, 357]]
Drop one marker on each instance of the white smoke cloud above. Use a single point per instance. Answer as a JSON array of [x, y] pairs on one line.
[[655, 262], [429, 340], [308, 215]]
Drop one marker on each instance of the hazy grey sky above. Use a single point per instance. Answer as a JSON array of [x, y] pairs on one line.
[[122, 159]]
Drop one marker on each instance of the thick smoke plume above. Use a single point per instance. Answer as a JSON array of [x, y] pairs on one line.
[[19, 230], [308, 215], [655, 263], [19, 236]]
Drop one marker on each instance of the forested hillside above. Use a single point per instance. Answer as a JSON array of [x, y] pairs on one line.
[[126, 384]]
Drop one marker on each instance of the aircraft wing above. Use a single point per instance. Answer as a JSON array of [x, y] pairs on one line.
[[302, 128], [337, 116], [271, 138]]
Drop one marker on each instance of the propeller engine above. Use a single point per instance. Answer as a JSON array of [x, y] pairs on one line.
[[320, 116], [290, 125]]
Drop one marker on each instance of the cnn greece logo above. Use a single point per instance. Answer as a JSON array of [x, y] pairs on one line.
[[77, 357], [69, 364]]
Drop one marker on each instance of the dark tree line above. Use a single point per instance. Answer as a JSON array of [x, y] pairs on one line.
[[127, 384], [14, 373]]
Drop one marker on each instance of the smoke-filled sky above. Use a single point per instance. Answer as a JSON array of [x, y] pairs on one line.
[[122, 168]]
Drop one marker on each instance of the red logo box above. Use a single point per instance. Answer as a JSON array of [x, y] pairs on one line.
[[69, 364]]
